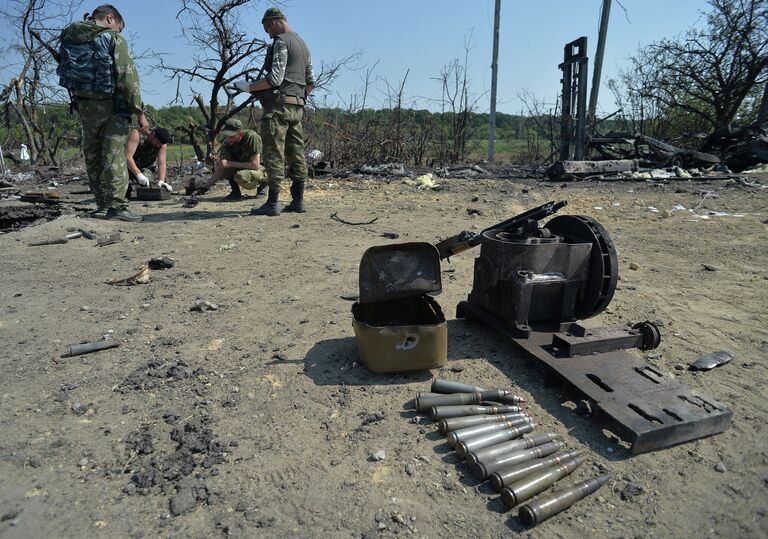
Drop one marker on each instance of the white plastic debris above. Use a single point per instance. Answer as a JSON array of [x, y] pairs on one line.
[[378, 455], [653, 209], [425, 181]]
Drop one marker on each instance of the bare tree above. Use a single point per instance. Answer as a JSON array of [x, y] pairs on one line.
[[457, 107], [708, 72], [225, 53], [33, 87]]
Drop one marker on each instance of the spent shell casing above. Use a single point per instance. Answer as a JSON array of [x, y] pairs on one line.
[[447, 386], [492, 438], [526, 442], [420, 395], [483, 469], [456, 423], [463, 434], [424, 403], [509, 475], [441, 412], [537, 482], [549, 505]]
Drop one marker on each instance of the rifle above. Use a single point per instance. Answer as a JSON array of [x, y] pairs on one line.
[[466, 240]]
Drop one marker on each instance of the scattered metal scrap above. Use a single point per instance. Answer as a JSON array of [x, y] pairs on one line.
[[336, 217], [109, 239], [87, 348], [142, 277], [710, 361], [58, 241]]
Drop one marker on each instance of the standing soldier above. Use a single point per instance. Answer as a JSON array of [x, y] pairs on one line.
[[285, 87], [97, 69]]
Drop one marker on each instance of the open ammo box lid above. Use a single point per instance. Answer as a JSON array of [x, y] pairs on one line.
[[398, 271]]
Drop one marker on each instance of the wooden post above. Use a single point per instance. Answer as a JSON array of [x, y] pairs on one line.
[[494, 78], [606, 13]]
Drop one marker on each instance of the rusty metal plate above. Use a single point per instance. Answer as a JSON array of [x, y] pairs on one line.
[[398, 271], [641, 404]]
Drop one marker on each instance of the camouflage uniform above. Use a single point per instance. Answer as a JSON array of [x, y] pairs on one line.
[[105, 119], [288, 68], [242, 151], [281, 126]]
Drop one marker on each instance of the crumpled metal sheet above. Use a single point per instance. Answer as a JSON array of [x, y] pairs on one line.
[[710, 361]]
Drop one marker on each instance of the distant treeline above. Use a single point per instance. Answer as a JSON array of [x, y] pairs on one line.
[[372, 136]]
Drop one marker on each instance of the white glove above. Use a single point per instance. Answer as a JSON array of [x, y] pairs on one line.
[[165, 186], [142, 179], [243, 85]]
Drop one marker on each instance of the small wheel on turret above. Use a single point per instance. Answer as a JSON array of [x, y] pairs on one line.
[[651, 334]]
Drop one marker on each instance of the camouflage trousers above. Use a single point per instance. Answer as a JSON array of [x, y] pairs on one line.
[[104, 138], [245, 178], [283, 139]]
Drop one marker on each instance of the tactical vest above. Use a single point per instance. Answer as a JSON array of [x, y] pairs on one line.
[[88, 66], [295, 81], [146, 155]]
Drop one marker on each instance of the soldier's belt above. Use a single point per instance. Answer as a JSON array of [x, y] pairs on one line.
[[291, 100]]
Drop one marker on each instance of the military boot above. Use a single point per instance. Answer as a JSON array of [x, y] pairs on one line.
[[297, 198], [260, 190], [235, 194], [270, 207]]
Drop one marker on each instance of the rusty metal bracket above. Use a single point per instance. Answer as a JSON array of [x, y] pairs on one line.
[[639, 403]]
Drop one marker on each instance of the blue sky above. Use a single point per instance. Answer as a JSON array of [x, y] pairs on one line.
[[422, 36]]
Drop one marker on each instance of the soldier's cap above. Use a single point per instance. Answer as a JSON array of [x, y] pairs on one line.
[[232, 127], [163, 135], [272, 14]]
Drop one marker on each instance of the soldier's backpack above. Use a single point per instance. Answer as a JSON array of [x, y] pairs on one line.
[[87, 66]]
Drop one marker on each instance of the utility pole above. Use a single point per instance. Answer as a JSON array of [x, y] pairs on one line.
[[494, 78], [604, 16]]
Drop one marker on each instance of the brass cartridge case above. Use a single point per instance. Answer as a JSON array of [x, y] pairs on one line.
[[424, 403], [456, 423], [448, 386], [537, 482], [509, 475], [442, 412], [526, 442], [483, 469], [492, 438], [547, 506], [463, 434]]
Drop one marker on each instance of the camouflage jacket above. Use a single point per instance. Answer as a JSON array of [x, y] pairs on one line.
[[125, 73]]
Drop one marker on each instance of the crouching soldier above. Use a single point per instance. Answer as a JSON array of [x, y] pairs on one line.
[[239, 162], [142, 155], [97, 69]]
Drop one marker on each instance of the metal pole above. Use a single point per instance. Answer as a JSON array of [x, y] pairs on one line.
[[581, 105], [494, 77], [2, 160], [604, 16]]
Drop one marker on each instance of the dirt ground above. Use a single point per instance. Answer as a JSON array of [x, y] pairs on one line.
[[258, 419]]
